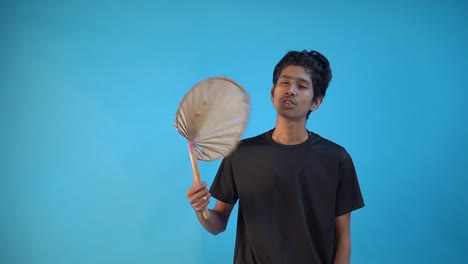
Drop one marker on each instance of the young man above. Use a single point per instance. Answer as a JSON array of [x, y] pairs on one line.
[[296, 190]]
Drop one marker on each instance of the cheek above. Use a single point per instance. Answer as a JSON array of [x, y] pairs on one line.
[[310, 99], [272, 93]]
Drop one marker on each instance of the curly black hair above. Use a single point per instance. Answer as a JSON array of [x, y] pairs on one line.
[[314, 63]]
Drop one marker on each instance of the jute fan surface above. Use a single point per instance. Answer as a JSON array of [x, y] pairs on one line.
[[212, 116]]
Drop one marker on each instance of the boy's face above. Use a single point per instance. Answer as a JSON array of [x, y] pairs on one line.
[[292, 96]]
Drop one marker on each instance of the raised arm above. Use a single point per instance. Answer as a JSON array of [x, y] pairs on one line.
[[199, 198]]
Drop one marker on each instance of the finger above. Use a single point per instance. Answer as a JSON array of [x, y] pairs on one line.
[[194, 197], [198, 191], [202, 194], [195, 188], [199, 186], [202, 201], [201, 205]]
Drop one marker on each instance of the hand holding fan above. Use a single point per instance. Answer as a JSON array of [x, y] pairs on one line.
[[212, 116]]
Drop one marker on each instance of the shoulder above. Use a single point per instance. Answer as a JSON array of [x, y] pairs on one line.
[[251, 144], [326, 146]]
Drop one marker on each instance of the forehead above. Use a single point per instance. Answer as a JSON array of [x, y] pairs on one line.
[[295, 72]]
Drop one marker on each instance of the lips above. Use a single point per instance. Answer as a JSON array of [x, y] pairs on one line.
[[288, 101]]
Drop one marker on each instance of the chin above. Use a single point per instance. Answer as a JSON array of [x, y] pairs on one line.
[[291, 117]]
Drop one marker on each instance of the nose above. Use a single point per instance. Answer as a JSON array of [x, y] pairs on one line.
[[291, 90]]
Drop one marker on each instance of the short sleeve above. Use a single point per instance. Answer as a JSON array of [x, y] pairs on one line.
[[223, 187], [348, 193]]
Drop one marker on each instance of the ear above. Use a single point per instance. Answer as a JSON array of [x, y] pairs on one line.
[[272, 92], [316, 102]]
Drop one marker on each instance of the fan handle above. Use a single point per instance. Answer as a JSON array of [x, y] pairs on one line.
[[196, 175]]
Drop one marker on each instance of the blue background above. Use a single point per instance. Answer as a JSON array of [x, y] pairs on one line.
[[93, 171]]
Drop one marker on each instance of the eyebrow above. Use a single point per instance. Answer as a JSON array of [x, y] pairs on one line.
[[291, 78]]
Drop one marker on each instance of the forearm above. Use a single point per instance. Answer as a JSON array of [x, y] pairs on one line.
[[343, 239], [343, 251], [215, 224]]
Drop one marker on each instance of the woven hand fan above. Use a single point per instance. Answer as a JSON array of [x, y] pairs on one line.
[[212, 116]]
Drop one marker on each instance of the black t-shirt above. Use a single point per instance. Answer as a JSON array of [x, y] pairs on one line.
[[289, 197]]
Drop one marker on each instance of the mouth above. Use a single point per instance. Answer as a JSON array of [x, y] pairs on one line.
[[288, 101]]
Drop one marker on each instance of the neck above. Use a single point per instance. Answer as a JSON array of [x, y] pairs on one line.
[[290, 133]]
